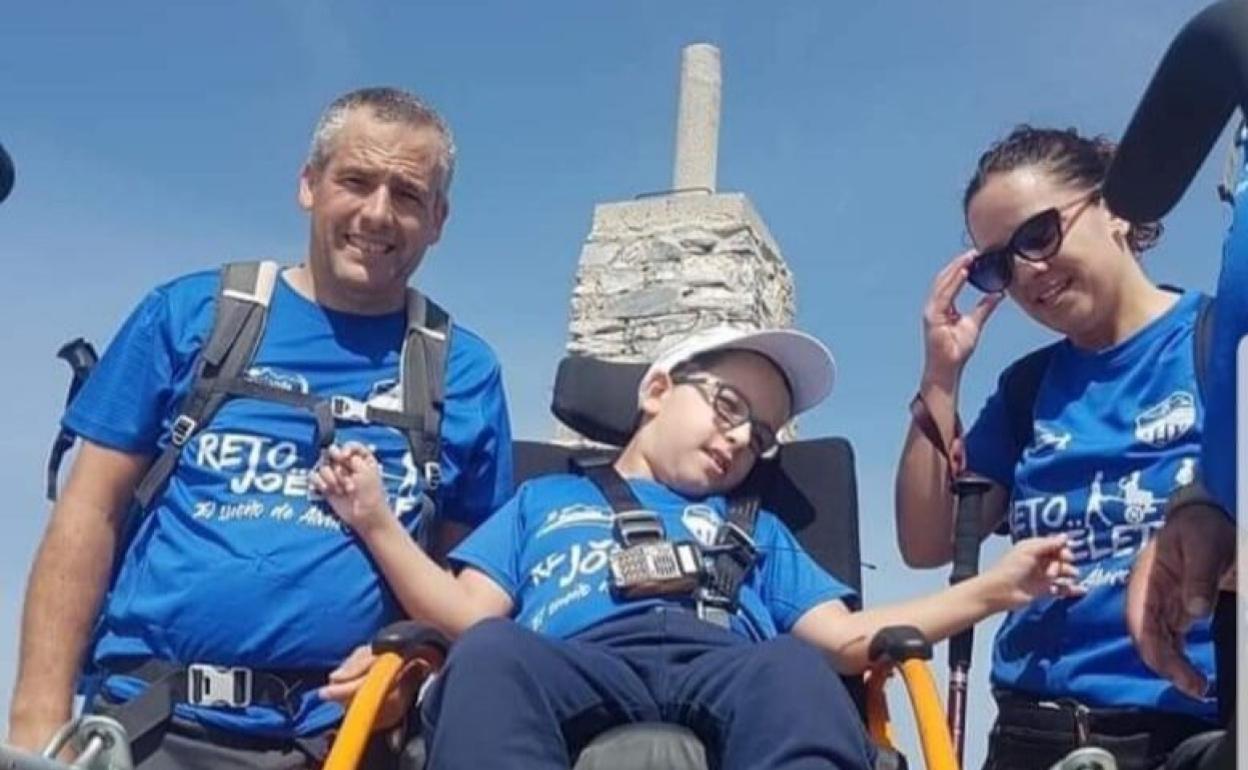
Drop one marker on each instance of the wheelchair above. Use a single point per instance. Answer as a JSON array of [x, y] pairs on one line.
[[810, 485]]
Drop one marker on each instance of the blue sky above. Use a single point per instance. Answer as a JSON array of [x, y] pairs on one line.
[[154, 139]]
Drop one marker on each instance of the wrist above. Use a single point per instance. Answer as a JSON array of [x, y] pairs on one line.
[[376, 522], [940, 381]]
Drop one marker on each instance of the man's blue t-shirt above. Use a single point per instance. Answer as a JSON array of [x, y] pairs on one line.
[[1116, 431], [548, 548], [237, 562], [1230, 324]]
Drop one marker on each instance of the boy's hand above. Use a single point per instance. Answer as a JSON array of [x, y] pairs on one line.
[[349, 477], [1035, 567]]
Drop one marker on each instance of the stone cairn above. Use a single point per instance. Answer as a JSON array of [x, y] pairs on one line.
[[658, 267]]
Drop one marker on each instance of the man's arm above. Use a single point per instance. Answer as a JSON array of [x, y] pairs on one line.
[[67, 582], [1174, 583], [1035, 567]]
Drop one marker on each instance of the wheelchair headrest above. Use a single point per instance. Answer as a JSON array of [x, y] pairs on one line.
[[1202, 78], [598, 399]]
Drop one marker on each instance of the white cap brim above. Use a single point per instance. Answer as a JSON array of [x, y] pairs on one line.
[[806, 362]]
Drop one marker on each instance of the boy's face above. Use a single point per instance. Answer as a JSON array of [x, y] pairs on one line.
[[688, 445]]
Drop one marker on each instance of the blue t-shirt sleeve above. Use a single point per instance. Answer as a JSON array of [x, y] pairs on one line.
[[1230, 323], [989, 450], [477, 418], [790, 581], [494, 547], [122, 405]]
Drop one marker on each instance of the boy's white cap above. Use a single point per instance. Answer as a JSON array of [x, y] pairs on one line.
[[805, 361]]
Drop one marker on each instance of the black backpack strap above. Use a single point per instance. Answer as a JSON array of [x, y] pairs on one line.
[[242, 307], [423, 378], [1202, 341], [1020, 385]]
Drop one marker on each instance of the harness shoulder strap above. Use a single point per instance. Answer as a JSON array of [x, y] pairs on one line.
[[242, 308], [737, 554]]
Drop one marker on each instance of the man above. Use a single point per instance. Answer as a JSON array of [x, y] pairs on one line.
[[562, 632], [234, 563]]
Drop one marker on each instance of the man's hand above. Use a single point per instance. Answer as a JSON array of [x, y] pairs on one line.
[[1174, 583], [346, 680]]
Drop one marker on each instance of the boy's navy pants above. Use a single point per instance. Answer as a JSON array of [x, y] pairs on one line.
[[510, 697]]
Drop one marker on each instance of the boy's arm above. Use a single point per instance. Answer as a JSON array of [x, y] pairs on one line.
[[350, 479], [451, 603], [1035, 567]]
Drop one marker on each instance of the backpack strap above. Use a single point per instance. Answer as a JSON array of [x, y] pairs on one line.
[[1020, 385], [1202, 342], [242, 307], [423, 379]]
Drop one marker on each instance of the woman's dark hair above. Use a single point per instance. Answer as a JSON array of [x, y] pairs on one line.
[[1076, 160]]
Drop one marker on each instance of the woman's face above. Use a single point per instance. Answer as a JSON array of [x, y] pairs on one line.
[[1075, 292]]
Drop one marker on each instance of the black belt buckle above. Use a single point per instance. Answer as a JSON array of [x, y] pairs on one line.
[[730, 538], [637, 527]]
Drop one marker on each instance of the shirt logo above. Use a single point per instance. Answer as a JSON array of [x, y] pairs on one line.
[[702, 521], [575, 516], [287, 381], [1168, 421], [1049, 440]]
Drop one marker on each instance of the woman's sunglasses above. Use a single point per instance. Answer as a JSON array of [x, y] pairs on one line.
[[1037, 239]]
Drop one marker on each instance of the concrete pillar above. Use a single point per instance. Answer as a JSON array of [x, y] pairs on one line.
[[697, 120]]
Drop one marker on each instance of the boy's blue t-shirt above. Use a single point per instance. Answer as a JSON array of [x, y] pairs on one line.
[[1116, 431], [237, 562], [548, 548]]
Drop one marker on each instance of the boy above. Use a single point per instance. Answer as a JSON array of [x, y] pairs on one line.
[[589, 650]]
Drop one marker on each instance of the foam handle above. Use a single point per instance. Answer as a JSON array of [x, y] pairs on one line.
[[1201, 79]]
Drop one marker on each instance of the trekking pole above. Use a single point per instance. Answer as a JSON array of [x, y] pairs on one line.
[[81, 357], [969, 490]]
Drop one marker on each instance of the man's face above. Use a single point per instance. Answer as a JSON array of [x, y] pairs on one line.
[[376, 205], [693, 451]]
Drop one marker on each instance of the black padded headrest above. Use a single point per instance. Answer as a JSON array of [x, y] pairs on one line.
[[6, 174], [598, 399], [1202, 78]]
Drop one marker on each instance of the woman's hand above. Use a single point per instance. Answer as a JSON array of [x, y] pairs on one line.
[[950, 336]]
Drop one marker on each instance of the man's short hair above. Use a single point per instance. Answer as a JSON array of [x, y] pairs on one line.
[[390, 105]]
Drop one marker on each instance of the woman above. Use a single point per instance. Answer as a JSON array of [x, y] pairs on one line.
[[1111, 426]]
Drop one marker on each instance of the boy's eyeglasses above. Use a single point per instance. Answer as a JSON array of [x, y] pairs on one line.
[[733, 410], [1037, 239]]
